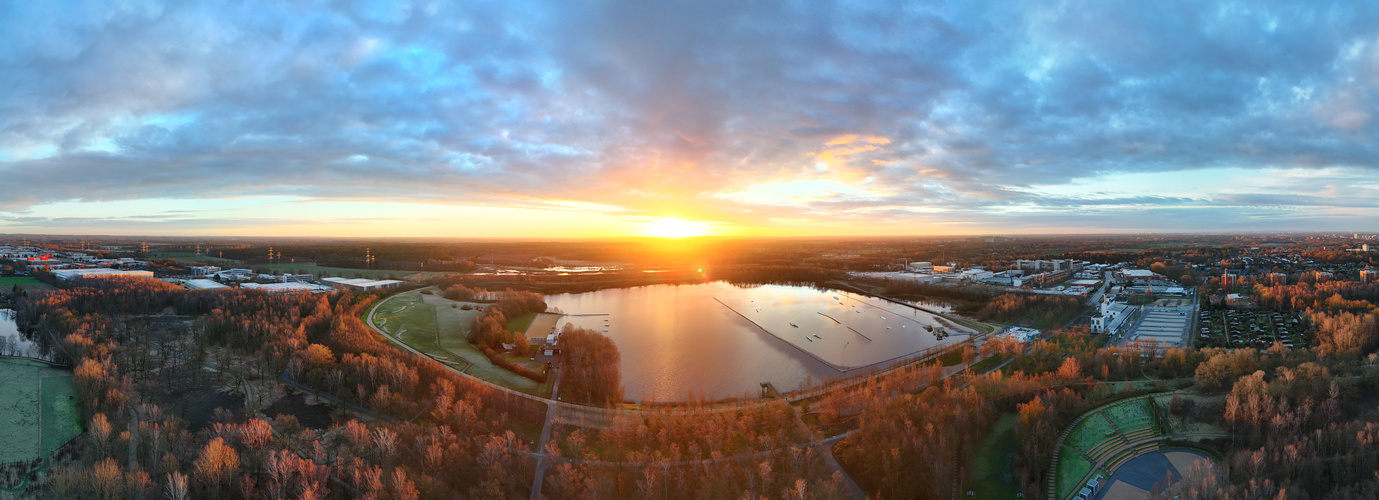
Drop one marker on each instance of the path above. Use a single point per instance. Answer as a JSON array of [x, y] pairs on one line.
[[598, 413], [585, 414], [825, 451], [541, 460]]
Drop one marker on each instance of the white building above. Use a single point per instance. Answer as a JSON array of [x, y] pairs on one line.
[[285, 287], [101, 272], [361, 284], [203, 284], [236, 275], [204, 270]]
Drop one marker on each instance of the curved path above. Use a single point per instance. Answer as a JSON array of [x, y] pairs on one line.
[[1114, 452], [554, 408], [596, 413]]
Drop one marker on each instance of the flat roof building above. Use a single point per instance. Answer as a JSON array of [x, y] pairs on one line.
[[103, 272], [203, 285], [285, 287], [204, 270], [361, 284]]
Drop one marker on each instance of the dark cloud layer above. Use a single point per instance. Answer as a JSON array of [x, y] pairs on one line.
[[660, 107]]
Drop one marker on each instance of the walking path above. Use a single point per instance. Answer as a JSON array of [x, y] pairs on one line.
[[594, 413], [588, 415]]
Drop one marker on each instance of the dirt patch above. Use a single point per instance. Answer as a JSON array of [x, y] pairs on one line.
[[198, 405], [309, 415], [166, 327]]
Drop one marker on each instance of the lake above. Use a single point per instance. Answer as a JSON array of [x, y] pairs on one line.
[[12, 343], [716, 340]]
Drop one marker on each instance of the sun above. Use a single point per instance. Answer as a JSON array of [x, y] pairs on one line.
[[666, 227]]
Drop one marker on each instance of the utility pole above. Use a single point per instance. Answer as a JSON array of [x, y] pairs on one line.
[[845, 355]]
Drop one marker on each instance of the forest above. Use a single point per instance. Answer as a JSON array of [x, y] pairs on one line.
[[237, 394]]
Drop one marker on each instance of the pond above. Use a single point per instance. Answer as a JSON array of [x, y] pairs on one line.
[[715, 340], [12, 343]]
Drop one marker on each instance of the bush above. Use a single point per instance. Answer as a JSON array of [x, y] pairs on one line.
[[503, 362]]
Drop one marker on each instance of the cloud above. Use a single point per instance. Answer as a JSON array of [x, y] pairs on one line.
[[658, 108]]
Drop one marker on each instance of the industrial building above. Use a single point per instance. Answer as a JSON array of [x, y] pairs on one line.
[[236, 275], [101, 272], [204, 284], [1035, 266], [204, 270], [1140, 275], [285, 287], [361, 284]]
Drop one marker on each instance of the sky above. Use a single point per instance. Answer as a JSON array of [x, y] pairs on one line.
[[521, 118]]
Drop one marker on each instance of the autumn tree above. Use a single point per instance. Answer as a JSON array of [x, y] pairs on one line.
[[216, 465], [590, 367]]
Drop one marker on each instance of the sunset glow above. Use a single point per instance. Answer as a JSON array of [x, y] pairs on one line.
[[460, 119], [676, 228]]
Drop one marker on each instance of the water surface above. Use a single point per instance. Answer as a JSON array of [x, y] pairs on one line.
[[12, 343], [718, 340]]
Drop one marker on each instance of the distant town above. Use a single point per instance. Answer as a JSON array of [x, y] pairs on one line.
[[1061, 367]]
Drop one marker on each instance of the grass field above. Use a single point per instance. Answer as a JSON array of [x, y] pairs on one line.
[[319, 271], [412, 317], [520, 324], [294, 267], [1129, 415], [988, 363], [191, 257], [1090, 433], [989, 475], [37, 413], [1071, 469], [8, 283]]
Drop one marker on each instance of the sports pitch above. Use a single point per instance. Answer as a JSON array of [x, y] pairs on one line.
[[38, 411]]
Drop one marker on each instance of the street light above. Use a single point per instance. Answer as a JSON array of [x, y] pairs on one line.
[[845, 355]]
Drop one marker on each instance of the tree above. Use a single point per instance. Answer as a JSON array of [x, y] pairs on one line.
[[176, 487], [100, 433], [590, 368], [216, 464]]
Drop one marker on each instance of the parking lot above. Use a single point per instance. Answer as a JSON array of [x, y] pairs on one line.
[[1168, 325]]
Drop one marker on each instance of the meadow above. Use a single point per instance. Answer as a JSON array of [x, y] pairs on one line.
[[412, 318], [37, 410]]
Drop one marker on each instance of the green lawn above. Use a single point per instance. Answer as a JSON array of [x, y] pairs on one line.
[[1091, 432], [1130, 415], [1071, 469], [990, 474], [61, 416], [320, 271], [412, 317], [988, 363], [520, 324], [8, 283], [37, 413], [191, 258], [952, 357]]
